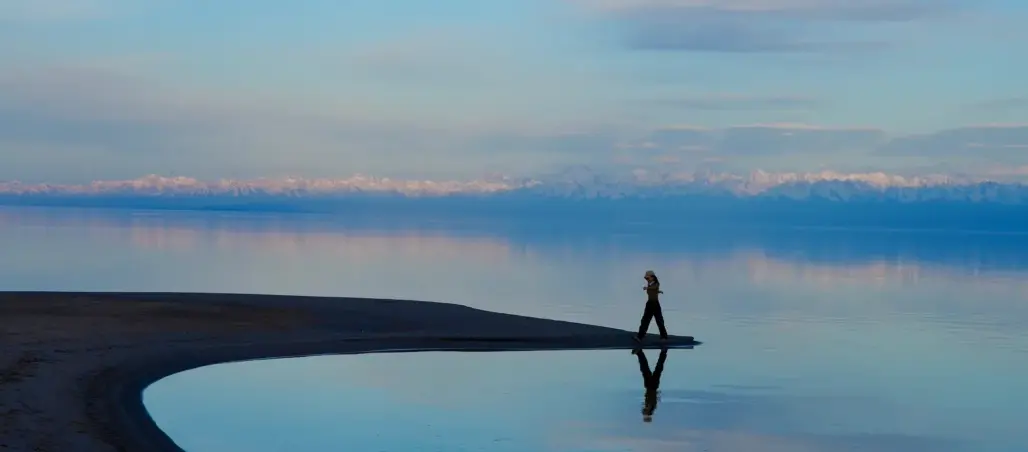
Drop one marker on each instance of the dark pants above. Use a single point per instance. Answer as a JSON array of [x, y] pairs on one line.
[[652, 312]]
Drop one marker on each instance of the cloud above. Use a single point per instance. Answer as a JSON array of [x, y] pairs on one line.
[[737, 102], [787, 138], [682, 138], [578, 143], [790, 147], [764, 139], [1016, 172], [57, 11], [867, 10], [1001, 104], [981, 143], [97, 106], [106, 120], [427, 55], [759, 26], [66, 123], [80, 116], [735, 37], [991, 141], [86, 106]]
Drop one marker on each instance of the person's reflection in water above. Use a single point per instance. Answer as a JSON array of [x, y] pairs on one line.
[[651, 381]]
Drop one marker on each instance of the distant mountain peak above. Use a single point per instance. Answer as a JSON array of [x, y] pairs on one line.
[[580, 181]]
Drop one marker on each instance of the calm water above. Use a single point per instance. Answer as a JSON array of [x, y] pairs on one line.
[[813, 340], [579, 401]]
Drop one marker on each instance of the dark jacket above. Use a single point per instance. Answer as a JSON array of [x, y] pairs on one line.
[[652, 290]]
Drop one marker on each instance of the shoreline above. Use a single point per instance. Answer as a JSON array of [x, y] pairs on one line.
[[76, 363]]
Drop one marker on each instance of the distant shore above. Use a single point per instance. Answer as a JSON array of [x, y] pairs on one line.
[[73, 365]]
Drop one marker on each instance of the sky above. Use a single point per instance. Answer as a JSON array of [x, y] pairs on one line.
[[112, 89]]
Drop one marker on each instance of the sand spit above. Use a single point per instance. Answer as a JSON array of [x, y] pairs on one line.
[[73, 365]]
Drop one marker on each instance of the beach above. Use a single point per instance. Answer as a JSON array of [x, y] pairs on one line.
[[73, 365]]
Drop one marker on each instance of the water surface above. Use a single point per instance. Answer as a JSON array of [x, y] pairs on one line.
[[893, 334], [585, 401]]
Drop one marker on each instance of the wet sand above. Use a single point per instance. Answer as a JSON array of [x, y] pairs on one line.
[[73, 365]]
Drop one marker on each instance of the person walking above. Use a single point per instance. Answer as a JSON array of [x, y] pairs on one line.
[[652, 310]]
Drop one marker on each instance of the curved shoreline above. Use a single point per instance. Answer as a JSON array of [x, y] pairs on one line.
[[114, 345]]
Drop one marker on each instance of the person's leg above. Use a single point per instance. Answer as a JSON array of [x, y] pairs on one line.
[[644, 368], [658, 315], [644, 324]]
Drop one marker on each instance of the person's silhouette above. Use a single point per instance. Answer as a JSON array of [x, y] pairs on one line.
[[652, 311], [651, 381]]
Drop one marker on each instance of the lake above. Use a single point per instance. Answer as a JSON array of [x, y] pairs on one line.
[[814, 340]]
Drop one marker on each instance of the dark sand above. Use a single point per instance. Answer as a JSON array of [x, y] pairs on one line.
[[73, 365]]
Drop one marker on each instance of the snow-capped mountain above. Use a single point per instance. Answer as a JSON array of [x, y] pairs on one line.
[[575, 182], [289, 186], [826, 185]]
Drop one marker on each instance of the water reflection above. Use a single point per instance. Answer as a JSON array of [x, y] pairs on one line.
[[774, 287], [651, 381], [886, 251], [816, 258], [504, 402], [817, 340]]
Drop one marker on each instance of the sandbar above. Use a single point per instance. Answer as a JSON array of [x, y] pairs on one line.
[[73, 365]]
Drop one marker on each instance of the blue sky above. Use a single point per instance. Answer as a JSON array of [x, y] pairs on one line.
[[457, 88]]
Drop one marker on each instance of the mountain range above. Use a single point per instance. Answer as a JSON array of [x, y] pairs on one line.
[[575, 183]]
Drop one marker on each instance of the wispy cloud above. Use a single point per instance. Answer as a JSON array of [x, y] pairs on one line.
[[737, 102], [991, 141], [868, 10], [778, 139], [81, 115], [98, 118], [751, 26], [830, 9], [780, 146], [1001, 104], [58, 11], [459, 88], [767, 139], [735, 37], [136, 122], [427, 55]]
